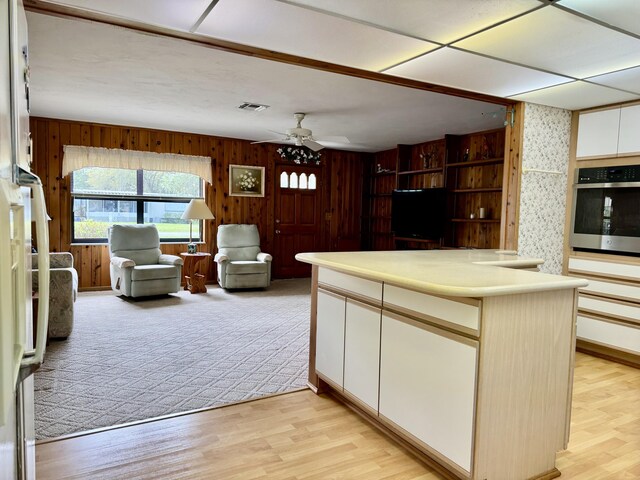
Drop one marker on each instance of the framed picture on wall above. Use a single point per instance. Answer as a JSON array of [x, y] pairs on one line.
[[245, 181]]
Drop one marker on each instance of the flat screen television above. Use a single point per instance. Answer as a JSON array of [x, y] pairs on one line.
[[419, 213]]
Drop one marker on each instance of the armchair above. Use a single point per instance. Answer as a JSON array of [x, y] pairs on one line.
[[241, 264], [63, 281], [138, 268]]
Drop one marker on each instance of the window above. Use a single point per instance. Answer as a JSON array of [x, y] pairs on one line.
[[293, 182], [303, 182], [104, 196], [284, 180]]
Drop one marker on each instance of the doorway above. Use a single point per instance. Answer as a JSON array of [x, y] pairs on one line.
[[298, 210]]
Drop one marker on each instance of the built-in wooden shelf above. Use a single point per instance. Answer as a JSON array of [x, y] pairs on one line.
[[382, 174], [473, 163], [477, 190], [476, 220], [423, 171], [380, 195]]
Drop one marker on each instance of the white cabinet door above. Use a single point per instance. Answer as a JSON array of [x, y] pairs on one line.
[[629, 139], [427, 385], [330, 336], [598, 133], [362, 352]]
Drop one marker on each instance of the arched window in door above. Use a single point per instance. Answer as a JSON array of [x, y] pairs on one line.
[[312, 182], [284, 180], [293, 180], [303, 181]]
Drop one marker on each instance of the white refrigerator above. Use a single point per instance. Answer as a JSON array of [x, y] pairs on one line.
[[21, 201]]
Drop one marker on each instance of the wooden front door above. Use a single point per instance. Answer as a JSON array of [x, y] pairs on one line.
[[298, 210]]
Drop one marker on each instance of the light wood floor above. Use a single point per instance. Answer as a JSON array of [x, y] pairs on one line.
[[304, 436]]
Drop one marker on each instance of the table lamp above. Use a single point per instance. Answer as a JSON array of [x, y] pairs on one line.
[[196, 210]]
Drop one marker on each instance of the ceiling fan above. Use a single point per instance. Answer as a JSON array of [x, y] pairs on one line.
[[304, 136]]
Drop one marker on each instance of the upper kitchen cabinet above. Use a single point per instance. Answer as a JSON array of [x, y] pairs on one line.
[[609, 133], [598, 133], [629, 138]]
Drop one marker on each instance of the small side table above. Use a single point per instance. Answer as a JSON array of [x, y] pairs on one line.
[[193, 279]]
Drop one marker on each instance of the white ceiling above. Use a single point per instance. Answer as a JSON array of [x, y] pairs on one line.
[[570, 54]]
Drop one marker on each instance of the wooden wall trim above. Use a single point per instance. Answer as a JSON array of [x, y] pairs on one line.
[[46, 8], [511, 180]]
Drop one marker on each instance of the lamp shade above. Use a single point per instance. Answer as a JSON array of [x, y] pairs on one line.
[[197, 210]]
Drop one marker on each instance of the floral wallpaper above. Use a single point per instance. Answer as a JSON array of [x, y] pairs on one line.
[[547, 134]]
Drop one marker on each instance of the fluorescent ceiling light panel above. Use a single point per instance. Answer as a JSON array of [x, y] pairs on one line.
[[624, 14], [306, 33], [628, 79], [437, 20], [467, 71], [554, 40], [576, 96], [166, 13]]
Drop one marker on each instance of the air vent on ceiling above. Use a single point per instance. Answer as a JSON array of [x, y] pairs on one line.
[[253, 107]]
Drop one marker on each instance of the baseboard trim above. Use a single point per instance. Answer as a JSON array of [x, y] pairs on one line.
[[554, 473], [608, 353], [414, 450], [163, 417]]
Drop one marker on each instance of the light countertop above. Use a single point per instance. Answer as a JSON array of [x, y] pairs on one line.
[[459, 273]]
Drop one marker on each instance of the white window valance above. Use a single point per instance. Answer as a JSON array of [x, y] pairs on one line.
[[77, 157]]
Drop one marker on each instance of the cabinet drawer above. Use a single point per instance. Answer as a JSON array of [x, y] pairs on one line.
[[611, 309], [614, 270], [629, 293], [440, 310], [619, 336], [368, 289]]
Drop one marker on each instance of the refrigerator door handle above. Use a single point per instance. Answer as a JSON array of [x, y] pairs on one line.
[[33, 359]]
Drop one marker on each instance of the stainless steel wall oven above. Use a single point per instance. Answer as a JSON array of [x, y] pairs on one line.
[[606, 209]]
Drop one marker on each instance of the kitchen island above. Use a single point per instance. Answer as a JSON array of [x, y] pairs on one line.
[[465, 356]]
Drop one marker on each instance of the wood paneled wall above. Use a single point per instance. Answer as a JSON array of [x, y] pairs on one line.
[[341, 176]]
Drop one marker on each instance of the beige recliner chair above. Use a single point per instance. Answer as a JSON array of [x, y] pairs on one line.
[[138, 267], [241, 264]]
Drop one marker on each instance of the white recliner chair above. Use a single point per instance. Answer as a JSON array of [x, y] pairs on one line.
[[138, 267], [241, 264]]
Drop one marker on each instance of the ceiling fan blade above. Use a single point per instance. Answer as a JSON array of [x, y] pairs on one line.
[[268, 141], [334, 139], [315, 146], [278, 133]]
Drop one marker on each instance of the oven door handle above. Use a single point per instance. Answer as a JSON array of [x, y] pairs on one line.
[[607, 185]]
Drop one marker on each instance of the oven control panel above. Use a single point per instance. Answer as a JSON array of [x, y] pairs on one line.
[[628, 173]]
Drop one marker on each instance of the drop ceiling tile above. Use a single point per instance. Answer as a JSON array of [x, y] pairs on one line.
[[437, 20], [558, 41], [576, 96], [624, 14], [167, 13], [299, 31], [628, 79], [455, 68]]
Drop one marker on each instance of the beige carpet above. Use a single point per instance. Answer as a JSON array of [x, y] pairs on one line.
[[132, 360]]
